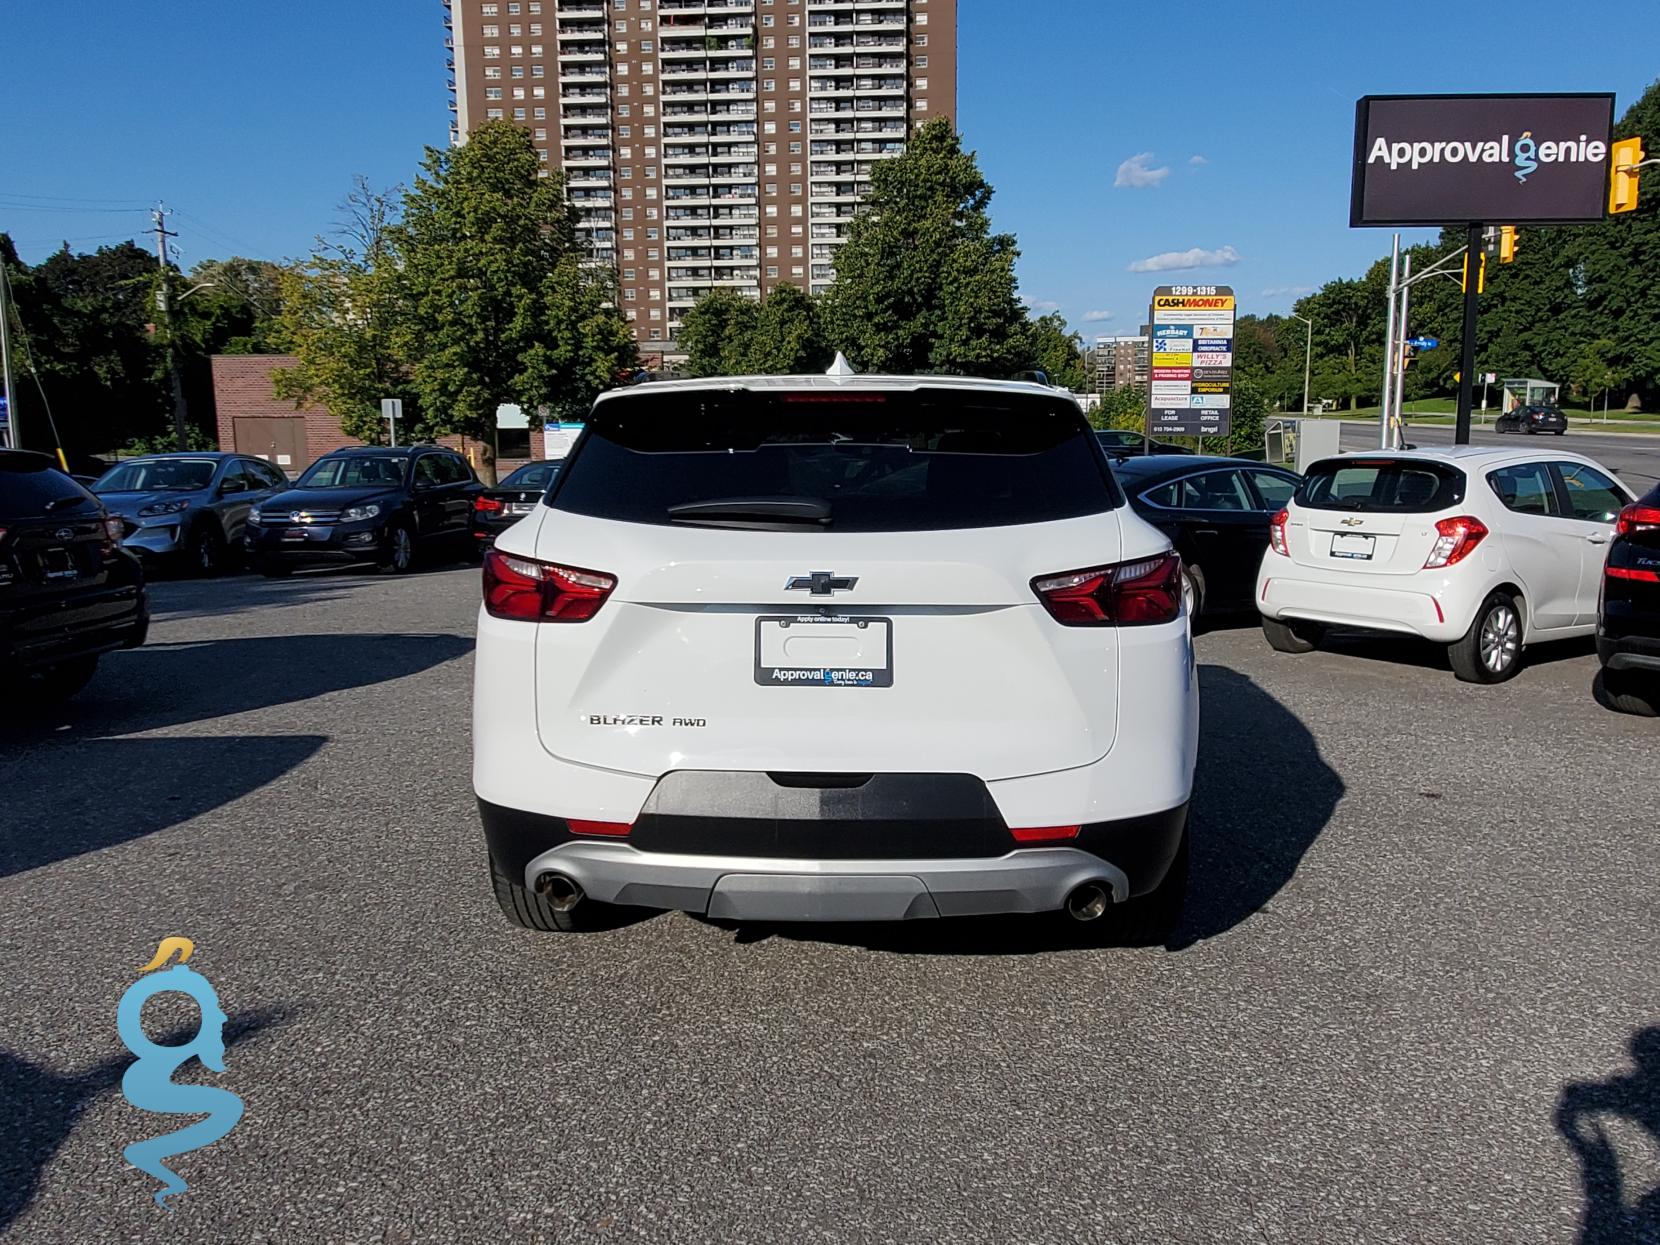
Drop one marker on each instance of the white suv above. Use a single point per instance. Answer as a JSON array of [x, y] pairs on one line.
[[835, 648], [1483, 550]]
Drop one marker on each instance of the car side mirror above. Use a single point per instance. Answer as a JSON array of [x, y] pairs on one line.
[[233, 485]]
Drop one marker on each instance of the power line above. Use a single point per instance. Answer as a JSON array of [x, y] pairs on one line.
[[67, 211], [136, 204]]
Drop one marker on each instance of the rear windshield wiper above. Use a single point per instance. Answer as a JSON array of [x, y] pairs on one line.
[[753, 511]]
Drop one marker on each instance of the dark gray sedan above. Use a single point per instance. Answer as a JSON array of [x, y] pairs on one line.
[[188, 508]]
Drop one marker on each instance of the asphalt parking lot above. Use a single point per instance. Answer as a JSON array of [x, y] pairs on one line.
[[1420, 955]]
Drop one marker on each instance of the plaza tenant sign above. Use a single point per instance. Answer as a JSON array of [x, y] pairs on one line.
[[1190, 382], [1450, 159]]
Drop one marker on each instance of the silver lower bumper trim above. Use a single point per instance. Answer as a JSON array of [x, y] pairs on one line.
[[771, 889]]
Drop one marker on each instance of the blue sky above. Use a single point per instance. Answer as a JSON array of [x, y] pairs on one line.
[[250, 120]]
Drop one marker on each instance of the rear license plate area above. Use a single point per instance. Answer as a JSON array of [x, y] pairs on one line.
[[823, 650], [1354, 547], [57, 563]]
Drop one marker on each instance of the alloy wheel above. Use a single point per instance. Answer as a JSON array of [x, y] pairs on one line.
[[403, 549], [1500, 639]]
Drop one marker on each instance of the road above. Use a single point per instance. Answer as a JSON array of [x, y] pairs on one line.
[[1421, 922], [1635, 457]]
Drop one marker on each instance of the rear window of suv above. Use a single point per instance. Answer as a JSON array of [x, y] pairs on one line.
[[1381, 485], [866, 461], [30, 488]]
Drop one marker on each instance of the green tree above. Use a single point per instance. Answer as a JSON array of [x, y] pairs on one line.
[[83, 346], [340, 313], [1057, 352], [1250, 417], [717, 332], [922, 284], [1598, 368], [492, 277], [785, 340], [1125, 407]]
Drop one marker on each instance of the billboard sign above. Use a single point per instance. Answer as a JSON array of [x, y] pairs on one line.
[[1191, 390], [1447, 159]]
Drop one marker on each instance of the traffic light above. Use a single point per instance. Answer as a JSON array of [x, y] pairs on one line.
[[1481, 275], [1507, 243], [1623, 158]]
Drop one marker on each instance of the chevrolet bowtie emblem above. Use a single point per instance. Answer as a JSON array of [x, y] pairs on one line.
[[821, 583], [1351, 522]]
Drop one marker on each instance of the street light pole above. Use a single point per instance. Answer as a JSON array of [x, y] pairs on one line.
[[1308, 356], [1389, 346], [11, 438]]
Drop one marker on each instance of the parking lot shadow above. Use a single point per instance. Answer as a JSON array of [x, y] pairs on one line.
[[1609, 1218], [171, 684], [87, 794], [1262, 795], [43, 1107]]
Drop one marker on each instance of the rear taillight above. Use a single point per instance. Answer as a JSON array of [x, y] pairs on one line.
[[1456, 538], [1126, 594], [1276, 533], [1632, 572], [1637, 518], [486, 505], [112, 529], [532, 591]]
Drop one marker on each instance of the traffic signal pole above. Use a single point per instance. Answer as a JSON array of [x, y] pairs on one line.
[[1467, 346]]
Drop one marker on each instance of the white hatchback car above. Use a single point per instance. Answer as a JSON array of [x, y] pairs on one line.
[[835, 648], [1483, 550]]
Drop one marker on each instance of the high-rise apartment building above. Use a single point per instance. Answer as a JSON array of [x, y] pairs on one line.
[[1123, 362], [709, 144]]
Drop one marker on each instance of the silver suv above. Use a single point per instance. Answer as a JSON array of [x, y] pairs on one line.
[[187, 507]]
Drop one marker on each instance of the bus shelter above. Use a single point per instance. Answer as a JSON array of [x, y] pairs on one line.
[[1528, 392]]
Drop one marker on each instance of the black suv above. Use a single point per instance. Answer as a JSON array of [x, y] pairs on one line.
[[368, 504], [68, 591], [1628, 610]]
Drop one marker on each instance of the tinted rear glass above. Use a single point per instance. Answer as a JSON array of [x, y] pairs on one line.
[[1396, 486], [918, 461], [27, 488]]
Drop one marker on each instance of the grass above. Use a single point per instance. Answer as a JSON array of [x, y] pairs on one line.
[[1443, 411]]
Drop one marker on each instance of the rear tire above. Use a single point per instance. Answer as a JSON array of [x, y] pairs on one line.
[[1491, 650], [528, 910], [1620, 691], [1291, 637]]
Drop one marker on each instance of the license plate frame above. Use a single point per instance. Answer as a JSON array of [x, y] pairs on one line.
[[771, 671], [1353, 546], [58, 562], [296, 533]]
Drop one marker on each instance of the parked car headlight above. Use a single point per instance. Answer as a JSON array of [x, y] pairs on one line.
[[163, 507], [254, 516], [356, 514]]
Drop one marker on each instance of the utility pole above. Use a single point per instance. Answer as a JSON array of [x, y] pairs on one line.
[[1397, 423], [1389, 346], [10, 426], [1467, 347], [164, 306]]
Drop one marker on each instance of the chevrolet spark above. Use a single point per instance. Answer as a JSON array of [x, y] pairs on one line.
[[835, 648]]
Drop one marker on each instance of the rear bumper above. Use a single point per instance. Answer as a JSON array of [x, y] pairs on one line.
[[83, 626], [1630, 653], [1130, 857], [1338, 600]]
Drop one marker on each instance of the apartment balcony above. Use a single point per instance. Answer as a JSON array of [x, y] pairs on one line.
[[855, 43], [585, 94], [848, 107], [584, 116], [587, 157], [824, 211], [847, 64], [596, 220], [581, 10], [580, 75], [580, 56], [601, 138], [861, 22]]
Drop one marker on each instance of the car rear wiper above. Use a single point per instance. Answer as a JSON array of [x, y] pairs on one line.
[[753, 512]]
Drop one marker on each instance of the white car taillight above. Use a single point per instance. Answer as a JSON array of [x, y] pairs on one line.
[[1457, 537], [1276, 533]]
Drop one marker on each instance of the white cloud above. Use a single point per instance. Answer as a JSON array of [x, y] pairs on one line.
[[1137, 172], [1043, 305], [1280, 291], [1197, 159], [1197, 257], [1095, 317]]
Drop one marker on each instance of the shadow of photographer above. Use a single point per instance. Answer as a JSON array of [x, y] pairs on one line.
[[1611, 1216]]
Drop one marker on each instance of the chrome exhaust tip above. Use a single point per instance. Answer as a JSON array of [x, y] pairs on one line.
[[561, 893], [1088, 901]]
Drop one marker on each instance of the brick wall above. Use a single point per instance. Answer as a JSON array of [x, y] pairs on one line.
[[242, 387]]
